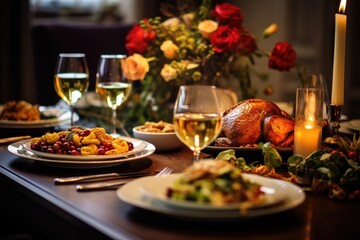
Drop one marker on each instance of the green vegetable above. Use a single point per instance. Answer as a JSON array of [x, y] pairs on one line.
[[272, 158], [229, 155], [326, 170]]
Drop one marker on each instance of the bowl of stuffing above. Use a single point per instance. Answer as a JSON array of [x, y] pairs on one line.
[[161, 134]]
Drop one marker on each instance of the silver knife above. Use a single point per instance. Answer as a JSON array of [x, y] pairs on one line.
[[102, 185], [13, 139], [99, 176]]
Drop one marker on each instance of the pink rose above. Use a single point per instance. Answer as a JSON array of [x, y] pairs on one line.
[[225, 38]]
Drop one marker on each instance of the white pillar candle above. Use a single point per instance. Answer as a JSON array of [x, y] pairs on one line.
[[307, 139], [337, 93]]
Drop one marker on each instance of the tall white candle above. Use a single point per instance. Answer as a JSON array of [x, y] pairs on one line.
[[337, 93]]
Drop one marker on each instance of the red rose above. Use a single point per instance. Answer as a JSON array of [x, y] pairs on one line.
[[138, 39], [247, 44], [283, 57], [227, 13], [225, 38]]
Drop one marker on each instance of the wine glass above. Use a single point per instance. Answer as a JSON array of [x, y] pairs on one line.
[[111, 84], [197, 117], [71, 78], [318, 81]]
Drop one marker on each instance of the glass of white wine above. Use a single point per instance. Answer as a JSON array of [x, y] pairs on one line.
[[197, 117], [111, 83], [71, 79]]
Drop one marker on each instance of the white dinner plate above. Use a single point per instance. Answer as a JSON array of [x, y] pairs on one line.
[[354, 124], [62, 116], [131, 193], [347, 127], [139, 145], [156, 189], [17, 149]]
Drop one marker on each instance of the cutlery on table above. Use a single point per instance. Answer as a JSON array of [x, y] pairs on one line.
[[113, 185], [13, 139], [102, 176]]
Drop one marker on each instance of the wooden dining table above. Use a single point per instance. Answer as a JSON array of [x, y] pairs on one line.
[[31, 203]]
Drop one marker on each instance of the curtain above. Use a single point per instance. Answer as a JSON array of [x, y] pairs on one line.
[[16, 70]]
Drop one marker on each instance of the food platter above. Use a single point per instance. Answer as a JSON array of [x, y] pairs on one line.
[[61, 116], [139, 145], [132, 193], [17, 149], [156, 189]]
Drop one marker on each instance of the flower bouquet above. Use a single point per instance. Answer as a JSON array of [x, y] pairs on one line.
[[196, 44]]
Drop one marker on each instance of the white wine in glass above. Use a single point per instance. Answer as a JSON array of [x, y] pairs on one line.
[[197, 117], [71, 79], [111, 83]]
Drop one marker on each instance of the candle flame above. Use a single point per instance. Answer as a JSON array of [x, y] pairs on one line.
[[309, 126], [342, 6], [310, 109]]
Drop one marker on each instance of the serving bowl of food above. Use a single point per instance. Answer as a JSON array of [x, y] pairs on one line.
[[160, 134]]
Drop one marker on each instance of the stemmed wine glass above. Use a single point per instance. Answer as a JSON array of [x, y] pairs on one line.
[[111, 83], [318, 81], [71, 78], [197, 117]]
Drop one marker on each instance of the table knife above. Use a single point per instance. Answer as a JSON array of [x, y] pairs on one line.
[[102, 176], [102, 185], [13, 139]]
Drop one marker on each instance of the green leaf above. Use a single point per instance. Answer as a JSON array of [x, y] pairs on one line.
[[226, 155], [272, 158], [293, 162]]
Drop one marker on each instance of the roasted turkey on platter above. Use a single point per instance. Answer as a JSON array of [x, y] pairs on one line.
[[254, 120]]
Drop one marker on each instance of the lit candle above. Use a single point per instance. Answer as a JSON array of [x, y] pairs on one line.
[[337, 94], [307, 139], [308, 121]]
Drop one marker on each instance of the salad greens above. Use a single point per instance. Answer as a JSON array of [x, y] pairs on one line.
[[215, 182], [331, 172], [272, 158], [334, 173]]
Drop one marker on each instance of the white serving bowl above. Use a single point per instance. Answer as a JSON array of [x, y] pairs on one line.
[[162, 141]]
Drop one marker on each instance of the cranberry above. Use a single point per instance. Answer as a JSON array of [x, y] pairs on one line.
[[66, 145], [351, 154], [74, 152], [35, 146], [86, 132], [101, 151], [50, 150], [108, 145], [56, 146], [334, 151], [44, 148]]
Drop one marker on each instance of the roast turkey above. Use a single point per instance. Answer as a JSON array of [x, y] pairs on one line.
[[254, 120]]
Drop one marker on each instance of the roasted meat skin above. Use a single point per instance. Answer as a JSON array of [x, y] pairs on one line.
[[243, 123], [278, 130]]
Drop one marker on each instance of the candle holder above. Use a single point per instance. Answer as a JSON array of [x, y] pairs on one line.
[[308, 120], [335, 119]]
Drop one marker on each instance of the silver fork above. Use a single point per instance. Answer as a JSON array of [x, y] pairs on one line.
[[112, 185]]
